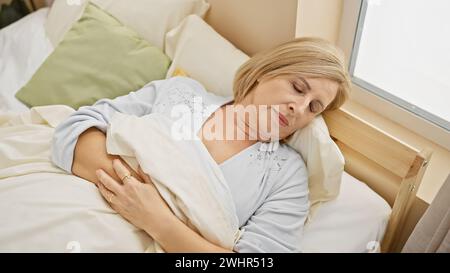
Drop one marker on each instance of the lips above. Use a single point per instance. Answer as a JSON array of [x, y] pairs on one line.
[[283, 120]]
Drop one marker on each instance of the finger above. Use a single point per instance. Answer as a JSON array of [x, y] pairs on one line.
[[109, 182], [120, 169], [107, 194]]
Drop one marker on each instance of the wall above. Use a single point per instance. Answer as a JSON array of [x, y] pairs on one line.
[[41, 3], [38, 3], [266, 18], [319, 18]]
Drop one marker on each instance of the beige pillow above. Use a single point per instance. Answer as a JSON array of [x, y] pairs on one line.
[[195, 47], [199, 52], [151, 19], [324, 160]]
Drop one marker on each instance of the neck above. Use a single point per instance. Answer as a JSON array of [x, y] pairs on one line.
[[233, 124]]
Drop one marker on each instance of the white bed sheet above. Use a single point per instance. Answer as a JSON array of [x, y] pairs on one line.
[[353, 222], [62, 213], [347, 224]]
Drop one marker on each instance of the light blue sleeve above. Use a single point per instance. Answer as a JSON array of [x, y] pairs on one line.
[[277, 225], [98, 115]]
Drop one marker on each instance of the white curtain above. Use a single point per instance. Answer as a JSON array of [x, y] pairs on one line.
[[432, 232]]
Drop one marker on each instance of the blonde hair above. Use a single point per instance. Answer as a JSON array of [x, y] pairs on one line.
[[306, 57]]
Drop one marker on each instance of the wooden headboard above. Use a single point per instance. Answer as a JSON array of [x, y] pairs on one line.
[[390, 167]]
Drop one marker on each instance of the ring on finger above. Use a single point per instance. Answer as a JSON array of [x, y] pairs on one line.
[[128, 176]]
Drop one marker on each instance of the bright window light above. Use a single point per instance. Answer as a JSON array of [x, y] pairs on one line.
[[402, 53]]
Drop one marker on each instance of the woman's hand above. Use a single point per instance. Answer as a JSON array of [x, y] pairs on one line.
[[142, 205], [138, 202]]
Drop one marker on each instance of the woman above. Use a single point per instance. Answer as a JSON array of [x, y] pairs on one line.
[[268, 180]]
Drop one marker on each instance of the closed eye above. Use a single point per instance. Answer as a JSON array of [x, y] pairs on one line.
[[296, 89], [314, 107]]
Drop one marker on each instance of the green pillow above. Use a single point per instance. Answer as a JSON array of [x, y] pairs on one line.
[[98, 58]]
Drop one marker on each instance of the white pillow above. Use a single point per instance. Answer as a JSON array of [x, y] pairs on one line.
[[23, 49], [324, 160], [197, 49], [151, 19]]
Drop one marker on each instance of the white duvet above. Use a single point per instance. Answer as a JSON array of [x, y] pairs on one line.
[[44, 209]]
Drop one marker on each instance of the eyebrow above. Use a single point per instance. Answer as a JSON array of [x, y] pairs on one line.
[[308, 87]]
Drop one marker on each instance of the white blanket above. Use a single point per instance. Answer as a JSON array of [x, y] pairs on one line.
[[183, 171], [44, 209]]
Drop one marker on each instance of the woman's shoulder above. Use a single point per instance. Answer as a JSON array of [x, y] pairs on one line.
[[291, 167], [187, 94], [185, 87], [177, 81], [183, 80]]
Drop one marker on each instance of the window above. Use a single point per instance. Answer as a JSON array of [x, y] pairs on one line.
[[402, 53]]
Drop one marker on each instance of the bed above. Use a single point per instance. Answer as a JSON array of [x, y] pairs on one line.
[[381, 175]]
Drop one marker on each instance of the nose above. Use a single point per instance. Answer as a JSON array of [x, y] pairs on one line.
[[299, 107]]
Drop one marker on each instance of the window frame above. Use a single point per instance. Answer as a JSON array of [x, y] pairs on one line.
[[380, 101]]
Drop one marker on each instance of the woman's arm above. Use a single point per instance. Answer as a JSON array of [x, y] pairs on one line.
[[142, 205], [90, 155], [91, 148], [175, 236]]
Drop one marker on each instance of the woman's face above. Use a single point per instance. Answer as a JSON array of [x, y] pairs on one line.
[[288, 103]]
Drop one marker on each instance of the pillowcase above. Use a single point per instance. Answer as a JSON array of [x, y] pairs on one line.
[[199, 52], [98, 58], [202, 53], [151, 19], [324, 160]]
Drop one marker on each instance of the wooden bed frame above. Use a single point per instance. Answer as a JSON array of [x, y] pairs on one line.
[[388, 166]]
